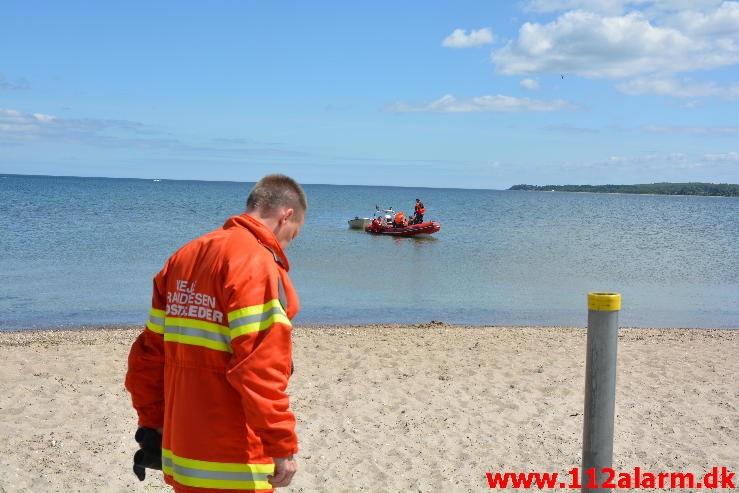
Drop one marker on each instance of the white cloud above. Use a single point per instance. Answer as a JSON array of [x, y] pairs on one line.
[[35, 124], [18, 128], [44, 118], [16, 85], [669, 87], [617, 7], [683, 88], [723, 21], [647, 164], [592, 44], [16, 122], [569, 129], [499, 103], [726, 157], [611, 7], [530, 84], [699, 131], [460, 39]]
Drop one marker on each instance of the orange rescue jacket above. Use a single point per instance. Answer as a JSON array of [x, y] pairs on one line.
[[213, 363]]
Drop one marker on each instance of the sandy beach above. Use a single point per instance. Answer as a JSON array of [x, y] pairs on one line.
[[390, 408]]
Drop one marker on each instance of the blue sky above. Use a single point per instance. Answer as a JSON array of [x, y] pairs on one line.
[[470, 94]]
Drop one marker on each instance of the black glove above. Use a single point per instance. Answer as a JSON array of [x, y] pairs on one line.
[[150, 452]]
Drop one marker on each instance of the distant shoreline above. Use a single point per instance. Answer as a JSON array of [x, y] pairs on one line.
[[686, 189]]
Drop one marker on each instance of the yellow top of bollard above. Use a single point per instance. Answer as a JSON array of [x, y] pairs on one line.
[[604, 302]]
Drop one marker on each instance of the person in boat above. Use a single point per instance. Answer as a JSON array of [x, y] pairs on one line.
[[418, 212], [400, 221]]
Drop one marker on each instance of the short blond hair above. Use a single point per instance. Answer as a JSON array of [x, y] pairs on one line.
[[274, 191]]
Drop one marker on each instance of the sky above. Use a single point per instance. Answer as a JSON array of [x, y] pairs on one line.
[[465, 94]]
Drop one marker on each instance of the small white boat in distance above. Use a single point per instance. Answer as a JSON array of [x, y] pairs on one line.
[[363, 222], [359, 222]]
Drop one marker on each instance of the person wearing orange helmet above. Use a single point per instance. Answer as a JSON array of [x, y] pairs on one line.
[[400, 221]]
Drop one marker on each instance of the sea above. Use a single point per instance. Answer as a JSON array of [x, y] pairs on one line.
[[81, 252]]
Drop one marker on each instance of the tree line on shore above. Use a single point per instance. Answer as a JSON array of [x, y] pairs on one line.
[[693, 188]]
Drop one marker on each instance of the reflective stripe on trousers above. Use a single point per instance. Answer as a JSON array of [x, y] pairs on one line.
[[216, 475]]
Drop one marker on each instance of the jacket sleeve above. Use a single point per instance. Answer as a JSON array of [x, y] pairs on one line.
[[262, 358], [145, 376]]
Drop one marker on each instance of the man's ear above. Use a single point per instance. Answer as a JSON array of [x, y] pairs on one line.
[[287, 214]]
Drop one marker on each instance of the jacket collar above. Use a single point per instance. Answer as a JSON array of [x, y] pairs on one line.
[[264, 235]]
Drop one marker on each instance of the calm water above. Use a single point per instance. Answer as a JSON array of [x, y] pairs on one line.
[[82, 251]]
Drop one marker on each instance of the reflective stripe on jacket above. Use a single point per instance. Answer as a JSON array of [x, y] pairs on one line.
[[213, 363]]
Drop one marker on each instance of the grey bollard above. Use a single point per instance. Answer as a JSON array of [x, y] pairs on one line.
[[600, 389]]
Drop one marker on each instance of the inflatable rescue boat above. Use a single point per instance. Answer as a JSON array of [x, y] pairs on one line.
[[398, 226]]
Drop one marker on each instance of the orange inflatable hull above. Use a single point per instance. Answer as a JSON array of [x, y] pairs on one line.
[[425, 228]]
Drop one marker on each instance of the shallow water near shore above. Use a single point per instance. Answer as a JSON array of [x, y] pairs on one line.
[[82, 251]]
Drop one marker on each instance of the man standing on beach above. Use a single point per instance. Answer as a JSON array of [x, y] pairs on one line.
[[210, 370]]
